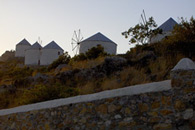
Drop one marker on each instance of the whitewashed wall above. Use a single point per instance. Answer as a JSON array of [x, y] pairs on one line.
[[109, 47], [32, 56], [49, 55], [20, 50]]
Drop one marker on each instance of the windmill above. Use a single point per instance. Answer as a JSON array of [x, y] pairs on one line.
[[143, 17], [39, 40], [76, 39]]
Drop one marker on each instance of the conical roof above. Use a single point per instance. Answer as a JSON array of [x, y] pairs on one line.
[[36, 45], [24, 42], [168, 25], [98, 37], [53, 45]]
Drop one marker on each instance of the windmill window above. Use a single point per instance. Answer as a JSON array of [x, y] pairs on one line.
[[58, 53]]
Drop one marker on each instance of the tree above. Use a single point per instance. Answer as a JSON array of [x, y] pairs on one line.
[[185, 31], [142, 33]]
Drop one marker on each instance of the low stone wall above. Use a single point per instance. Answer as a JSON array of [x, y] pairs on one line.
[[170, 108]]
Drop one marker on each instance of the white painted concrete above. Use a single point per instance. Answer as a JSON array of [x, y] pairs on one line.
[[49, 55], [32, 57], [131, 90], [185, 64]]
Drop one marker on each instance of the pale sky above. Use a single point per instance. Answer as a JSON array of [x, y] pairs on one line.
[[57, 19]]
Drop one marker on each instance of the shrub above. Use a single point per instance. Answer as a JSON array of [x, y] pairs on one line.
[[92, 53], [88, 88], [79, 57], [95, 52], [47, 92], [63, 59], [19, 73]]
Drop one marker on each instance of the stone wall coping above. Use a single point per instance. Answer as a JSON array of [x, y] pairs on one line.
[[184, 64], [127, 91]]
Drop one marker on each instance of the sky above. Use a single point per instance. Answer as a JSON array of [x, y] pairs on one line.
[[57, 19]]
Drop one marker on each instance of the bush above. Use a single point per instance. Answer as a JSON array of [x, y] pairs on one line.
[[92, 53], [80, 57], [19, 73], [63, 59], [47, 92], [95, 52]]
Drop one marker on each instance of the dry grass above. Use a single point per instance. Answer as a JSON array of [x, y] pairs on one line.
[[132, 76], [6, 81], [88, 88], [127, 77], [111, 83], [86, 63]]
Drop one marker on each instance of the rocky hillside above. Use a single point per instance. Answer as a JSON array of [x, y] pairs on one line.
[[8, 55], [94, 71]]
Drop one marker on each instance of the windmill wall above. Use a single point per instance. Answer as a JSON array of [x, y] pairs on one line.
[[32, 57], [109, 47], [20, 50], [49, 55], [159, 37]]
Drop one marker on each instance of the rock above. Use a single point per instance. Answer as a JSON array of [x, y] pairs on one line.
[[166, 100], [112, 64], [155, 105], [60, 67], [66, 76], [53, 113], [102, 109], [13, 125], [40, 76], [162, 126], [128, 119], [168, 121], [166, 112], [83, 111], [127, 111], [3, 88], [154, 119], [143, 107], [179, 105], [143, 58], [153, 113], [187, 114], [117, 116], [83, 120], [107, 123], [113, 108]]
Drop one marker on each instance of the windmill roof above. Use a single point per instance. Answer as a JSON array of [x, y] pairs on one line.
[[36, 45], [168, 25], [24, 42], [99, 37], [52, 45]]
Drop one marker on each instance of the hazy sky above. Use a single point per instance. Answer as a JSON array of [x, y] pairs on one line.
[[57, 19]]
